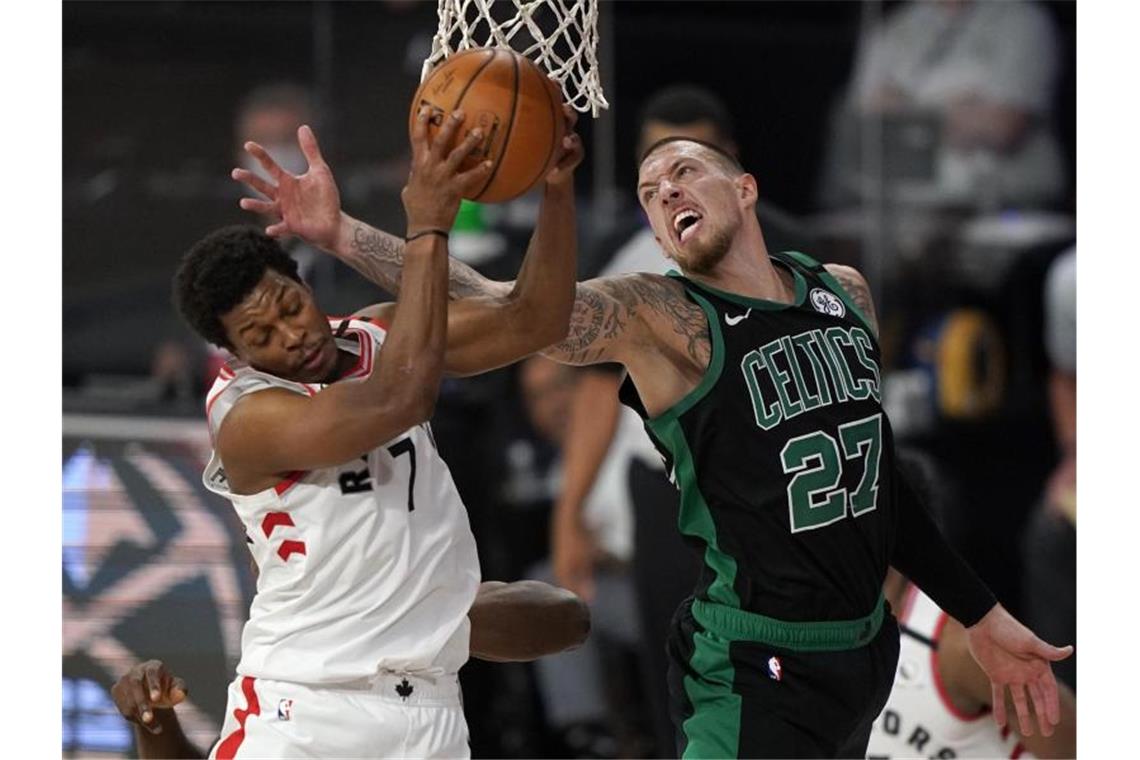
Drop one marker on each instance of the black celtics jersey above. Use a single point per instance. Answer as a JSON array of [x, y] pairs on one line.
[[782, 453]]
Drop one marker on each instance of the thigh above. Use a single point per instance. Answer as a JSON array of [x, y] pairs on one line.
[[436, 732]]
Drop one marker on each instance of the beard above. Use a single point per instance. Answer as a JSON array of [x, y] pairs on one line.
[[704, 256]]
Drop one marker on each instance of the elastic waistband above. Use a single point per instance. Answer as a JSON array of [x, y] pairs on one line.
[[407, 688], [826, 636]]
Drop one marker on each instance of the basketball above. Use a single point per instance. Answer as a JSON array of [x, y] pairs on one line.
[[516, 105]]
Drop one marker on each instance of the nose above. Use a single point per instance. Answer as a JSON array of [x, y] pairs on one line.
[[669, 192], [293, 336]]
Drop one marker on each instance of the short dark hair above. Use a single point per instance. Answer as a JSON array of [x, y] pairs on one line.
[[726, 159], [220, 270], [686, 104]]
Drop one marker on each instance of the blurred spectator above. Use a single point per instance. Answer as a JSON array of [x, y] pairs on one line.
[[964, 91], [1049, 545]]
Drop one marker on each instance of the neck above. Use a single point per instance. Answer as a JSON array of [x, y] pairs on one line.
[[747, 269]]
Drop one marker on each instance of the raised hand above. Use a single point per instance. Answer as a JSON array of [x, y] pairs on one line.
[[570, 152], [145, 687], [435, 184], [306, 205], [1016, 659]]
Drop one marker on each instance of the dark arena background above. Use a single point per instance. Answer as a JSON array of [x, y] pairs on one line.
[[964, 273]]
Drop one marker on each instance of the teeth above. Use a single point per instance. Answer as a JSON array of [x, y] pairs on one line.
[[683, 216]]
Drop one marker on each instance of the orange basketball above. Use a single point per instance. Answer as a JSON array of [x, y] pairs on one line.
[[517, 106]]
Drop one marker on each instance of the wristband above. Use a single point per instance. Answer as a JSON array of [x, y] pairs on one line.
[[430, 231]]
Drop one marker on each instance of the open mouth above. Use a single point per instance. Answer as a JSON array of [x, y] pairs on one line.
[[685, 223]]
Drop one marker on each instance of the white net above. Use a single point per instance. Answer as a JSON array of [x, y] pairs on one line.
[[561, 36]]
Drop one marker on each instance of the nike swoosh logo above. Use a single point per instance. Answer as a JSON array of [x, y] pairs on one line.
[[730, 321]]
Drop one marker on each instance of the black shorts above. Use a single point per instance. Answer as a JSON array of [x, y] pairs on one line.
[[733, 698]]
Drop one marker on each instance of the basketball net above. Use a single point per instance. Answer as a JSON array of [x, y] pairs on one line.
[[561, 36]]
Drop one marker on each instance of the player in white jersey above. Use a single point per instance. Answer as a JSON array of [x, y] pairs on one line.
[[510, 622], [367, 563], [941, 700]]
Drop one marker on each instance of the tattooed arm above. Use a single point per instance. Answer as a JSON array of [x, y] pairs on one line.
[[379, 257], [856, 286], [645, 322]]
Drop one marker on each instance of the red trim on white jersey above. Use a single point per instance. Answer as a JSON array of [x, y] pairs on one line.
[[227, 750], [363, 364], [943, 694], [273, 520], [289, 480], [289, 548]]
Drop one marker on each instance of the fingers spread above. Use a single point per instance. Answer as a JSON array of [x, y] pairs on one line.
[[419, 131], [1050, 700], [265, 160], [309, 146], [260, 184], [259, 207], [998, 702], [1021, 705], [1039, 707], [444, 139], [472, 179], [463, 150]]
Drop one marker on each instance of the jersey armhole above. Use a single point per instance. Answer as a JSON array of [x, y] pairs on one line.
[[820, 271], [712, 372]]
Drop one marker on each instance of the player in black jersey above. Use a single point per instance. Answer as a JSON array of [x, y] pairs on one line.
[[759, 378]]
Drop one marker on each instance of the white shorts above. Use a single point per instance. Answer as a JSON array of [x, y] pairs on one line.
[[391, 716]]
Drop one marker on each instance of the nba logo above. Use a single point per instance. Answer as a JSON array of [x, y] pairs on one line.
[[775, 669], [285, 709]]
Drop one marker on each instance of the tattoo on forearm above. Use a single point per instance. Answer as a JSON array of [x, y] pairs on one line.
[[380, 258], [604, 308]]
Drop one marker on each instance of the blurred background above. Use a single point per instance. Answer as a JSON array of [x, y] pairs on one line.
[[930, 144]]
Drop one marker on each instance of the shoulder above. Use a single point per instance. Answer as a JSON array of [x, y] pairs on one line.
[[843, 272], [856, 286], [251, 419]]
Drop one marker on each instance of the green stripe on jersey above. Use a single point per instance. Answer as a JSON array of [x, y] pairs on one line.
[[695, 518], [713, 730]]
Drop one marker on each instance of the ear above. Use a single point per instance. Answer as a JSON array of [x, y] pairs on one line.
[[746, 189]]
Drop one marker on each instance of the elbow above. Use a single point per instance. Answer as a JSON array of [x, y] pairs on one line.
[[413, 400], [574, 617]]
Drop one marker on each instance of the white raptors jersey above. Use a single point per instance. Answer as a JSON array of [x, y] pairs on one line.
[[919, 720], [364, 568]]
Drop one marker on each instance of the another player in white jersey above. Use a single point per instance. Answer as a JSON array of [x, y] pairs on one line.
[[367, 565], [941, 700], [510, 622]]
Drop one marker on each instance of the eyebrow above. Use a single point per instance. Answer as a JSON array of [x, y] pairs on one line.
[[276, 299], [672, 167]]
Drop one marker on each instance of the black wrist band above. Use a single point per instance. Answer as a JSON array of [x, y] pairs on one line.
[[430, 231]]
